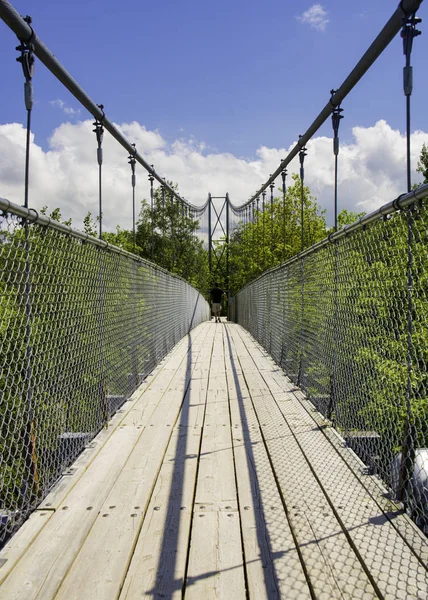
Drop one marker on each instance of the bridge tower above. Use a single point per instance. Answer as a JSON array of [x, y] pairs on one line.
[[218, 238]]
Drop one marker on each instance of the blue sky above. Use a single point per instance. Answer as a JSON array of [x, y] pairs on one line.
[[232, 75]]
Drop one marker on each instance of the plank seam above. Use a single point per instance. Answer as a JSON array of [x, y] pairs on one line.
[[317, 421], [72, 562], [336, 514], [244, 562], [281, 495], [192, 511]]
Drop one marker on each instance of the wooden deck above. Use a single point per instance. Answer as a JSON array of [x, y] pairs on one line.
[[217, 479]]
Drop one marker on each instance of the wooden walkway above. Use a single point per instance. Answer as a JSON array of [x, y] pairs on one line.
[[217, 480]]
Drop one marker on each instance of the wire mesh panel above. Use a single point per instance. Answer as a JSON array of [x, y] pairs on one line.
[[81, 325], [348, 321]]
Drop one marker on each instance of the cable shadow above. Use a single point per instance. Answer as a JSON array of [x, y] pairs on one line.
[[263, 537], [165, 580]]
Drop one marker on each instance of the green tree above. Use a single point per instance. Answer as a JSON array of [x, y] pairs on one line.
[[274, 235], [423, 163]]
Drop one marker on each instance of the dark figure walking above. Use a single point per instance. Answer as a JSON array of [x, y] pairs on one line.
[[216, 297]]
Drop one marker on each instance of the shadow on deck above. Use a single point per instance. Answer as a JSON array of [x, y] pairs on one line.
[[217, 479]]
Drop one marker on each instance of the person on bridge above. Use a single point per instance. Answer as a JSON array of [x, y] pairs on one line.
[[216, 297]]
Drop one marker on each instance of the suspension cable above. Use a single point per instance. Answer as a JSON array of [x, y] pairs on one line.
[[152, 214], [336, 116], [272, 242], [263, 229], [27, 60], [172, 233], [132, 160], [163, 223], [302, 155], [99, 132], [408, 33], [258, 233], [284, 190]]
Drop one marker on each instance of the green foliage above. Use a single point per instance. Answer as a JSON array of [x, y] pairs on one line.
[[347, 217], [166, 236], [423, 163], [275, 234]]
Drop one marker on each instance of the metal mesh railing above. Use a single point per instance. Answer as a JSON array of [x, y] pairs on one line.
[[81, 325], [348, 322]]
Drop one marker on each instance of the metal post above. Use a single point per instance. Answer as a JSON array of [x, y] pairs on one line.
[[30, 452], [163, 226], [99, 132], [132, 162], [152, 215], [408, 33], [272, 186], [263, 230], [172, 233], [336, 117], [227, 247], [258, 234], [302, 155], [284, 190], [253, 236]]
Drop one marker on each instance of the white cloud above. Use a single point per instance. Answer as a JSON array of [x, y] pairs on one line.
[[315, 17], [66, 109], [371, 169]]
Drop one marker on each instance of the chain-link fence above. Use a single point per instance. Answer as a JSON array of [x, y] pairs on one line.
[[81, 325], [348, 322]]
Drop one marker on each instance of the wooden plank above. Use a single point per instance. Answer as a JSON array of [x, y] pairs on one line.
[[272, 562], [135, 403], [101, 565], [410, 533], [21, 541], [50, 555], [332, 567], [158, 563], [215, 559], [215, 567], [370, 530], [393, 567]]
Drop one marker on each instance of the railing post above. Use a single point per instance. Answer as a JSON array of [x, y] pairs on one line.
[[284, 189], [132, 161], [302, 155], [336, 118], [152, 216], [163, 225], [30, 453], [272, 232], [263, 230], [408, 452], [172, 233], [227, 239], [302, 313]]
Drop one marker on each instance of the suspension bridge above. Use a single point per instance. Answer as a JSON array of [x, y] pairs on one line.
[[147, 451]]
